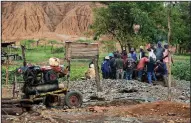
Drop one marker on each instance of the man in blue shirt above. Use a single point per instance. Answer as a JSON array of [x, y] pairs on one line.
[[133, 54], [150, 70], [105, 67]]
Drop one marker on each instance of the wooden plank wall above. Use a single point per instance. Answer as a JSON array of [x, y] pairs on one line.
[[81, 50], [84, 50]]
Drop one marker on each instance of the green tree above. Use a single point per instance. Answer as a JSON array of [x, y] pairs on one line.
[[181, 25], [117, 20], [119, 17]]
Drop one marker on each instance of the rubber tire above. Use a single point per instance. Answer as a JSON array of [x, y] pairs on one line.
[[73, 93]]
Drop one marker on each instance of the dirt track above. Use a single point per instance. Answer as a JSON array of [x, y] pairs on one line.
[[157, 112]]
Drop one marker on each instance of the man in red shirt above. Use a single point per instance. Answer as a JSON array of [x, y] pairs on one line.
[[141, 66]]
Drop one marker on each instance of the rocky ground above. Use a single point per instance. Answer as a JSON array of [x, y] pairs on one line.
[[121, 101], [123, 89]]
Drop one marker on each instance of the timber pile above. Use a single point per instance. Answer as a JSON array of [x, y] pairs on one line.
[[11, 106]]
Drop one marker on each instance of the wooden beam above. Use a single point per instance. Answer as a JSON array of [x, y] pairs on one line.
[[7, 70], [10, 101], [15, 86], [11, 111], [169, 53], [68, 76]]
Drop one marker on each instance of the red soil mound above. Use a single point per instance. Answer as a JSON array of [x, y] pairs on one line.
[[37, 19], [161, 109], [155, 112]]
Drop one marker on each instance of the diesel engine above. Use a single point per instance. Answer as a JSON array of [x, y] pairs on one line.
[[41, 79]]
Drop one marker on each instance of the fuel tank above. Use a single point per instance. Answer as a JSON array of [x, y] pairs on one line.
[[33, 90]]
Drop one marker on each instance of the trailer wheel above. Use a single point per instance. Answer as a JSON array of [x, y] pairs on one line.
[[73, 99]]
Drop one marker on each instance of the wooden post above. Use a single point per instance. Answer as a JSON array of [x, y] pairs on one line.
[[67, 57], [7, 70], [68, 76], [14, 86], [169, 53], [97, 76], [23, 55]]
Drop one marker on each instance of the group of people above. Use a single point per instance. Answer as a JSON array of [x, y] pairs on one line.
[[122, 65]]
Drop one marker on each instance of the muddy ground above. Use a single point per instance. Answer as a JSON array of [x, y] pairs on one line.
[[121, 101]]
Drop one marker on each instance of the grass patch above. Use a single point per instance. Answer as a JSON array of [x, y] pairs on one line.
[[78, 69], [181, 70]]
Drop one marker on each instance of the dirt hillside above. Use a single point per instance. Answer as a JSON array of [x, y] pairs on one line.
[[22, 20]]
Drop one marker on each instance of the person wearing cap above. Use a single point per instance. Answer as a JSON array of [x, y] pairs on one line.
[[110, 55], [142, 53], [133, 54], [105, 67], [130, 65], [119, 67], [159, 51]]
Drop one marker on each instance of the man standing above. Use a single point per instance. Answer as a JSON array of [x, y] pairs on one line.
[[105, 67], [159, 51], [133, 54], [130, 65], [112, 64], [119, 67], [124, 57], [150, 69]]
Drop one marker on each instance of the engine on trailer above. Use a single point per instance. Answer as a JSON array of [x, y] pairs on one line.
[[41, 79], [41, 85]]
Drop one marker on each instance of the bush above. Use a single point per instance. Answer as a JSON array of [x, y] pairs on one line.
[[181, 70]]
